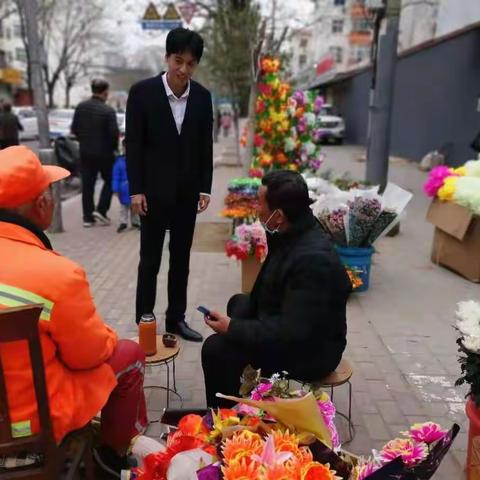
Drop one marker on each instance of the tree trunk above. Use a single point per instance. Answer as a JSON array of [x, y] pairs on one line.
[[247, 159], [68, 89], [50, 91]]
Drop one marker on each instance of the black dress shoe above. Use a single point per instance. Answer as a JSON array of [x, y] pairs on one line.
[[181, 328]]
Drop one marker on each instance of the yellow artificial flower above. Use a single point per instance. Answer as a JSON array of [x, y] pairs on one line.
[[460, 171], [448, 190]]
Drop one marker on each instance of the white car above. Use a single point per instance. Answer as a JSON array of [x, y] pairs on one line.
[[28, 119], [332, 126], [60, 121]]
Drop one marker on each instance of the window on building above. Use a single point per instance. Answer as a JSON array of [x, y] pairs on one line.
[[360, 53], [1, 28], [20, 55], [361, 25], [302, 60], [303, 42], [9, 58], [337, 54], [3, 59], [8, 33], [337, 25], [17, 30], [339, 2]]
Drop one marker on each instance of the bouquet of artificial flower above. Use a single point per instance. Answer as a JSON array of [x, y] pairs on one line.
[[241, 200], [459, 185], [248, 240], [468, 327]]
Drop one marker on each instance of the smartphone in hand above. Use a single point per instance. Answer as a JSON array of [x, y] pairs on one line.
[[204, 310]]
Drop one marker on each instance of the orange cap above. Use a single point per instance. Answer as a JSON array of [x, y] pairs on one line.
[[23, 178]]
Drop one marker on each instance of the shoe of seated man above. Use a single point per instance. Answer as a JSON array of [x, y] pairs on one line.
[[102, 218], [122, 227]]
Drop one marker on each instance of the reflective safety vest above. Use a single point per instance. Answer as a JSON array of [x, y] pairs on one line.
[[75, 341]]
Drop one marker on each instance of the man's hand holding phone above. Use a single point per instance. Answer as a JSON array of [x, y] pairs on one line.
[[216, 321]]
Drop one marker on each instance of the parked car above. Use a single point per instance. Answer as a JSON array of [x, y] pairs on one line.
[[28, 119], [332, 126], [60, 121]]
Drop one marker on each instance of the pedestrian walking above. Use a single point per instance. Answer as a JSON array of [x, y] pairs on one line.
[[95, 126], [120, 188], [226, 124], [10, 127], [169, 163]]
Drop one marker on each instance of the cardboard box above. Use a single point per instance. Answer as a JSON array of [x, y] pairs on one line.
[[456, 241], [250, 268]]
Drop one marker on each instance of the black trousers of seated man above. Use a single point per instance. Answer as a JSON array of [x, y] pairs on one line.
[[179, 218]]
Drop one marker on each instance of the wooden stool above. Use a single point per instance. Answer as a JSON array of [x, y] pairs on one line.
[[342, 374], [165, 356]]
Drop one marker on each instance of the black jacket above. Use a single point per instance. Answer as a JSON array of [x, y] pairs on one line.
[[96, 128], [160, 162], [298, 303], [9, 126]]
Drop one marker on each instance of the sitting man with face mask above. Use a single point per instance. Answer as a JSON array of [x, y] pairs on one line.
[[294, 319]]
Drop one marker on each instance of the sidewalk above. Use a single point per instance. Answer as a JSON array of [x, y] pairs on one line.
[[400, 337]]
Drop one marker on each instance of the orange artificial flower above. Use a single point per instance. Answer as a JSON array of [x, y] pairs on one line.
[[280, 472], [317, 471], [265, 159], [242, 471], [193, 425], [241, 447], [281, 158], [299, 112]]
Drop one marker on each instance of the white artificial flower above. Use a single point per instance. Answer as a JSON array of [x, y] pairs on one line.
[[472, 344], [310, 118], [469, 328], [309, 148], [290, 144], [473, 168], [469, 311]]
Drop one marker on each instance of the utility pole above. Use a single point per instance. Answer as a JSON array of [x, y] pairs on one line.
[[29, 9], [381, 98]]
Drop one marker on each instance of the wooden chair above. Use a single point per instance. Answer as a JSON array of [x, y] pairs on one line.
[[341, 376], [18, 324]]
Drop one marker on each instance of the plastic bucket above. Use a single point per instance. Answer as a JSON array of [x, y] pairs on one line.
[[359, 259]]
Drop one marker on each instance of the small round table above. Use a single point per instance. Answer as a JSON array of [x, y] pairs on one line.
[[165, 356]]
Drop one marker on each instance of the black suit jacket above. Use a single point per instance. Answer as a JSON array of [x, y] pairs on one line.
[[161, 163], [298, 303]]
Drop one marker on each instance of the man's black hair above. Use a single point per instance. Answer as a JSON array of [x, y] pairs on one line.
[[181, 40], [7, 107], [99, 86], [287, 191]]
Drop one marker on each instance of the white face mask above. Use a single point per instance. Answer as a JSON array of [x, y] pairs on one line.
[[266, 227]]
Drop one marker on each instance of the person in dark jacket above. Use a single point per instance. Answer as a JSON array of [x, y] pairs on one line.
[[10, 127], [169, 163], [294, 319], [96, 128]]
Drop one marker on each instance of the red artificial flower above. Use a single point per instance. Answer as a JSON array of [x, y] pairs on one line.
[[258, 141], [265, 89]]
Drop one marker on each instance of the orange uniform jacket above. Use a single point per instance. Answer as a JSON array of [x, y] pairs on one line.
[[75, 341]]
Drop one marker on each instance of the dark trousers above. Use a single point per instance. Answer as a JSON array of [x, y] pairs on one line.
[[90, 168], [223, 360], [179, 218]]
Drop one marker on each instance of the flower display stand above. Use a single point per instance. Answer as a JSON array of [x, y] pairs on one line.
[[250, 269], [473, 453]]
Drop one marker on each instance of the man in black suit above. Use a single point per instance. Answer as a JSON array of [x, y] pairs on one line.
[[169, 162], [295, 317]]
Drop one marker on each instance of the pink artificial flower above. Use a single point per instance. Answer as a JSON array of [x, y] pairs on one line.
[[328, 411], [269, 457], [366, 469], [428, 432], [435, 180], [410, 451], [259, 392]]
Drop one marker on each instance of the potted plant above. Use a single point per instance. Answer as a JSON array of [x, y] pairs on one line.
[[468, 327], [249, 245]]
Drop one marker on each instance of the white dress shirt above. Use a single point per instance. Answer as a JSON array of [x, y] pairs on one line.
[[178, 105]]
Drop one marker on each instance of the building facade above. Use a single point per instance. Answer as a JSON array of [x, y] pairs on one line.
[[338, 38], [13, 58]]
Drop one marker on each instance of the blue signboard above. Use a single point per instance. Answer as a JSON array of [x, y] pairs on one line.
[[160, 24]]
